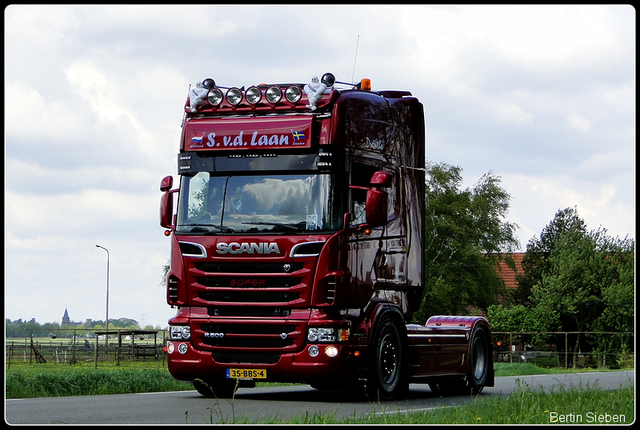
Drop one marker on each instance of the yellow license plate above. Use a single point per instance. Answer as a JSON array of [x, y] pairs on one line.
[[247, 373]]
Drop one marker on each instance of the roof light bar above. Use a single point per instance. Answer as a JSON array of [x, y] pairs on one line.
[[259, 95], [253, 95], [215, 97], [234, 96], [293, 94], [273, 94]]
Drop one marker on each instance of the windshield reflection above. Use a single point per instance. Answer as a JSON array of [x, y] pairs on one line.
[[256, 204]]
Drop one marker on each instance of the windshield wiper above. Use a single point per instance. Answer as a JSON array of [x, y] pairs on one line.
[[204, 228], [294, 227]]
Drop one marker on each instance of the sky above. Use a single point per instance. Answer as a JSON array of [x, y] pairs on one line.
[[543, 97]]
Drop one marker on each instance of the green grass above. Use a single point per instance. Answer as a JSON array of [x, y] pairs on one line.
[[50, 380], [525, 406], [522, 369]]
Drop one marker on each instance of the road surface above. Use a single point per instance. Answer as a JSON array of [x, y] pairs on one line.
[[270, 404]]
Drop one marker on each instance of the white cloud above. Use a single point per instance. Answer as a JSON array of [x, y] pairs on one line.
[[76, 215], [38, 120], [97, 90], [579, 123], [597, 204]]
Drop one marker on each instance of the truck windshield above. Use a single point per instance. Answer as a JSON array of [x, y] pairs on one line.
[[211, 204]]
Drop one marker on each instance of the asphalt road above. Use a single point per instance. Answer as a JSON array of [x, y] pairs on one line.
[[269, 404]]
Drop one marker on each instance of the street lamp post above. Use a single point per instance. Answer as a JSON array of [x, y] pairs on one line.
[[107, 317]]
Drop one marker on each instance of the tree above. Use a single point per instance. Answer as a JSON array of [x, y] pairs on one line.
[[465, 236], [535, 262], [584, 277], [521, 319]]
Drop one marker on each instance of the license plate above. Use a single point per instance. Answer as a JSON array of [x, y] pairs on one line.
[[247, 373]]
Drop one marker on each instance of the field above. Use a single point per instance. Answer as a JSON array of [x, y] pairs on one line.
[[525, 406], [52, 380]]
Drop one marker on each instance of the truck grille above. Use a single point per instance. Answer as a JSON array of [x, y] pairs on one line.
[[218, 284], [249, 296], [258, 267], [248, 282], [248, 342], [267, 292]]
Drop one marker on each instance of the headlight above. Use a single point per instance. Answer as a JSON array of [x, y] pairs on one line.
[[179, 332], [253, 95], [170, 348], [234, 96], [214, 97], [183, 348], [274, 94], [331, 351], [327, 334], [293, 93]]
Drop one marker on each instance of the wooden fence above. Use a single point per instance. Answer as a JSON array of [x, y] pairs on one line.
[[71, 346], [565, 349], [557, 349]]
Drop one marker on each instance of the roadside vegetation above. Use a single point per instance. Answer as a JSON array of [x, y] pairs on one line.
[[54, 380], [525, 406]]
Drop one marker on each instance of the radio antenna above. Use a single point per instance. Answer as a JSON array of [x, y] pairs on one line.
[[355, 58]]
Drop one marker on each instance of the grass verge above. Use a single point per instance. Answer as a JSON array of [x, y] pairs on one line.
[[525, 406], [45, 380], [53, 380]]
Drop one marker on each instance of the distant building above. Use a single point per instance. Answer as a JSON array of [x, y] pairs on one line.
[[507, 274], [66, 320]]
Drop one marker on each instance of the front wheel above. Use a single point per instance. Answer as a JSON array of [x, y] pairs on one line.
[[387, 374]]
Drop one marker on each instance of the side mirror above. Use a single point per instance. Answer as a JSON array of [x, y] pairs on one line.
[[166, 202], [166, 183], [381, 179], [377, 200], [376, 207]]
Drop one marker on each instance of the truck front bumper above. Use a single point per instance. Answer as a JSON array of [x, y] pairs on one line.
[[315, 363]]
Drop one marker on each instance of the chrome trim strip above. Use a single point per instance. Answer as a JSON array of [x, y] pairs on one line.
[[197, 245], [292, 254]]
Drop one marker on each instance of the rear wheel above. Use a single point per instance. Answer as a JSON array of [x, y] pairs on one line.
[[387, 376], [218, 388], [479, 361], [479, 364]]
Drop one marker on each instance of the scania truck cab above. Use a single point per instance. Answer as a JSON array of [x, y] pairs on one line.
[[297, 248]]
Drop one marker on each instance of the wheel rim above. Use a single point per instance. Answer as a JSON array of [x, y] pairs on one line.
[[388, 360]]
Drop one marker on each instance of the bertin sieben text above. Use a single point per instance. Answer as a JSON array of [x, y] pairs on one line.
[[588, 418]]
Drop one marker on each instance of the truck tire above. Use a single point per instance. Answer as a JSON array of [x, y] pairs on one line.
[[474, 380], [387, 366], [480, 356], [218, 388]]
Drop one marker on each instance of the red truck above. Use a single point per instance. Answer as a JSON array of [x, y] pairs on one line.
[[297, 249]]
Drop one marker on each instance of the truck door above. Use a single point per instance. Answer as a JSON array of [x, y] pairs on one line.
[[376, 254]]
